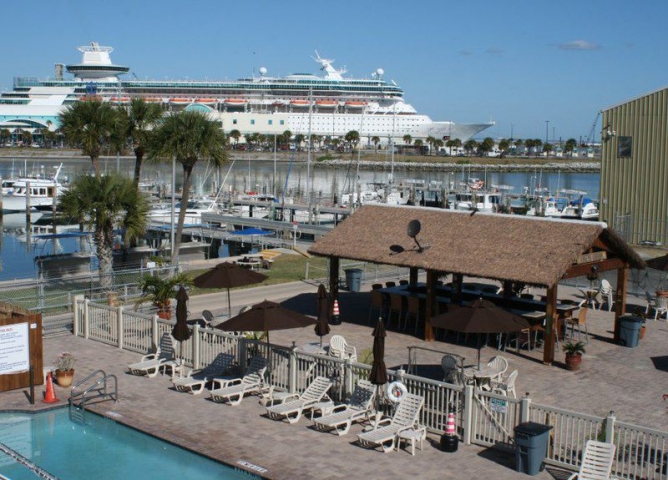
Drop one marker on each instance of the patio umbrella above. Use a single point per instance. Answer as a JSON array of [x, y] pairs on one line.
[[481, 317], [265, 317], [378, 375], [228, 275], [181, 332], [322, 325]]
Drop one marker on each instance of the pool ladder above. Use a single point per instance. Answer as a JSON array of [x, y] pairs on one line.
[[96, 386]]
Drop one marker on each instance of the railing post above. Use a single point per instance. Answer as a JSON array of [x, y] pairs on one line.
[[292, 369], [86, 318], [121, 332], [468, 414], [76, 314], [306, 273], [348, 377], [196, 346], [525, 408], [154, 330], [243, 351], [610, 427]]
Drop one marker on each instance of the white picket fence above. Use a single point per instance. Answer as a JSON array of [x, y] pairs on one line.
[[483, 418]]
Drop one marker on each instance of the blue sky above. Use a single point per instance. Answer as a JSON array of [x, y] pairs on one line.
[[520, 63]]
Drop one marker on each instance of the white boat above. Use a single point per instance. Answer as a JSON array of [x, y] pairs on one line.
[[40, 192], [581, 209], [548, 207], [488, 202], [335, 106], [162, 214]]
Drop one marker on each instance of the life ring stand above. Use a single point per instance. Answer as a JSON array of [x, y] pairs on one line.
[[396, 391]]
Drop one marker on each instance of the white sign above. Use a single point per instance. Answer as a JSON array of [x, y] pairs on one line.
[[497, 405], [14, 348]]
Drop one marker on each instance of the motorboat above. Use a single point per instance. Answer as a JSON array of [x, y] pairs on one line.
[[581, 209], [478, 201], [162, 214], [39, 192]]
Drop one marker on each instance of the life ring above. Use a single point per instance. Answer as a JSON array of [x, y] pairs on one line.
[[396, 391]]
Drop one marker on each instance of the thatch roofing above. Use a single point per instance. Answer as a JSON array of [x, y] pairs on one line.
[[535, 251]]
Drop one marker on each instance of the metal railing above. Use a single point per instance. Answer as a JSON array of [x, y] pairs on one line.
[[483, 417]]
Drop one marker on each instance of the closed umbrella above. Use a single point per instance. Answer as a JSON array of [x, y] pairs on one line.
[[181, 332], [228, 275], [481, 317], [378, 375], [322, 325]]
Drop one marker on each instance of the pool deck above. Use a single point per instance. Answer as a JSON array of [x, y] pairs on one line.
[[628, 381]]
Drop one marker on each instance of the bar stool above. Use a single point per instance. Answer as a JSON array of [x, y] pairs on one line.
[[390, 284], [396, 306], [412, 310], [377, 305]]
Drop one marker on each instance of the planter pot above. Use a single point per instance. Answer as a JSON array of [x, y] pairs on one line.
[[573, 362], [64, 377], [112, 299], [165, 314]]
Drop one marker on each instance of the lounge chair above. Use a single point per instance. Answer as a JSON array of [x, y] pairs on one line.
[[359, 407], [596, 461], [195, 380], [292, 407], [163, 359], [233, 391], [385, 432]]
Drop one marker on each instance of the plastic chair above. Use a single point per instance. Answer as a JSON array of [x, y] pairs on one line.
[[500, 364], [208, 317], [449, 365], [606, 292], [506, 388], [390, 284]]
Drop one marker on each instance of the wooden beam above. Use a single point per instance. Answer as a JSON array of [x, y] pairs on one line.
[[620, 299], [582, 269], [334, 263]]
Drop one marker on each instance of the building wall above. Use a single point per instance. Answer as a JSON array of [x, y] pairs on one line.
[[634, 181], [246, 123]]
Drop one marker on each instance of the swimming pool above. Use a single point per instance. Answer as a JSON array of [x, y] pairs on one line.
[[101, 449]]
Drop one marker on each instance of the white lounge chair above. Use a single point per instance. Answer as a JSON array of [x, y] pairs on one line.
[[233, 391], [195, 380], [163, 359], [292, 407], [358, 408], [596, 461], [385, 432]]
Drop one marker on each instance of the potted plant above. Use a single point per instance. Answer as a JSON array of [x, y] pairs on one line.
[[574, 353], [65, 369], [159, 291]]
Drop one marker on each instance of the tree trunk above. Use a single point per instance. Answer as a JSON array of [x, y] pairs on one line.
[[96, 166], [187, 178], [139, 158], [105, 252]]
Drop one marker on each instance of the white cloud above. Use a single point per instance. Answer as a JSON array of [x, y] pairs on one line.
[[578, 45]]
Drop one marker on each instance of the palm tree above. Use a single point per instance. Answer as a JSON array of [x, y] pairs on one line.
[[504, 145], [418, 145], [407, 139], [375, 140], [187, 136], [104, 204], [5, 135], [90, 126], [141, 118], [236, 135], [470, 146], [353, 138], [571, 143], [438, 144], [430, 141]]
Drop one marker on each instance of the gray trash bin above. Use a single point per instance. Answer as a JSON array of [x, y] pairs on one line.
[[354, 279], [531, 440], [629, 330]]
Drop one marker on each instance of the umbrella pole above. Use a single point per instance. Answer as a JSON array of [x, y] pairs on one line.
[[229, 303]]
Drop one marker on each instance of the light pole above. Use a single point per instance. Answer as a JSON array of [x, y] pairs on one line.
[[547, 126], [511, 131]]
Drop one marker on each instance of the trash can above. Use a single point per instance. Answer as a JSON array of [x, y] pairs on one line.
[[354, 279], [629, 330], [531, 440]]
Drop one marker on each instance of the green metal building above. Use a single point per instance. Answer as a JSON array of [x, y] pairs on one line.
[[634, 169]]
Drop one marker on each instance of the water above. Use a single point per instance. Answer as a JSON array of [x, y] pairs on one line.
[[17, 256], [100, 449]]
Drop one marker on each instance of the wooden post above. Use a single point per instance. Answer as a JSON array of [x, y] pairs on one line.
[[430, 305], [620, 299], [334, 278], [413, 276], [548, 347]]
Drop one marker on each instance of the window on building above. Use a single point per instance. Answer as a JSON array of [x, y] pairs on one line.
[[624, 146], [252, 122], [282, 122], [234, 121], [271, 122]]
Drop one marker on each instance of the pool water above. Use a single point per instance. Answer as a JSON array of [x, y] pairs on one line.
[[101, 449]]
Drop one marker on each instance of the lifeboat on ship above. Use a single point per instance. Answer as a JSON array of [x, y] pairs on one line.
[[179, 101], [355, 104], [327, 103], [299, 103], [236, 102], [206, 101], [123, 100], [153, 99]]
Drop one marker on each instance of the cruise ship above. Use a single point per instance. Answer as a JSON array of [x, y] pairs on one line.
[[327, 104]]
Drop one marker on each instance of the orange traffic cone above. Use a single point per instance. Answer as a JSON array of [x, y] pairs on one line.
[[50, 395], [335, 314], [450, 425]]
